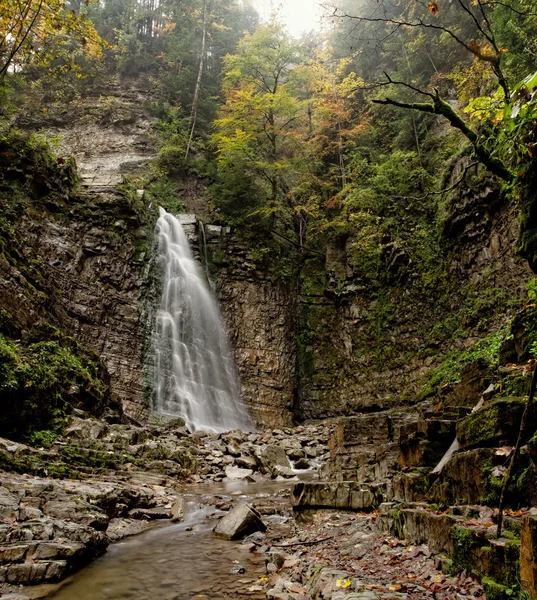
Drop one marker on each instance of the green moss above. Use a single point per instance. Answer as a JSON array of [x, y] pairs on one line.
[[497, 421], [41, 381], [463, 542], [514, 383], [42, 439], [495, 591], [453, 362], [397, 523]]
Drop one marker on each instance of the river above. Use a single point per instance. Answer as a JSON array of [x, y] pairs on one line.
[[185, 561]]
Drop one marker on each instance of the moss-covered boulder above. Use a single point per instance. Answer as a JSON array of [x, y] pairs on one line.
[[496, 422]]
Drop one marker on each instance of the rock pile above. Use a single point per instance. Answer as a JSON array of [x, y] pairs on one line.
[[48, 528]]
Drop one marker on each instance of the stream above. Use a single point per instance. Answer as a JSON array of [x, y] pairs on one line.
[[185, 561]]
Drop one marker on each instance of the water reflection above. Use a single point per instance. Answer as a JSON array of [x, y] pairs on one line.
[[177, 562]]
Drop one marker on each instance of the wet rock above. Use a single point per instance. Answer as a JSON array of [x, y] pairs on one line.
[[149, 514], [237, 570], [239, 522], [302, 464], [178, 510], [283, 472], [246, 462]]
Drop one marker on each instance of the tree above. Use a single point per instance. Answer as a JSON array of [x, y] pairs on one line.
[[466, 25], [259, 127], [41, 31]]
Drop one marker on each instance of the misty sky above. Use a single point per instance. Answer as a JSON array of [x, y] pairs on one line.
[[299, 15]]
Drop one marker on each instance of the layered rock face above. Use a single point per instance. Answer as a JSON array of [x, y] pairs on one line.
[[90, 249], [370, 352], [94, 283], [259, 316]]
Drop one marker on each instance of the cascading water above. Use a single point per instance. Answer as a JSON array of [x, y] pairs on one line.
[[195, 376]]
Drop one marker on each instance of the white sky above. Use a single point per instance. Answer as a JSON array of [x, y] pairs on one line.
[[299, 16]]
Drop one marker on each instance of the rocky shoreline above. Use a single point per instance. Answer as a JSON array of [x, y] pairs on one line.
[[121, 479], [374, 535]]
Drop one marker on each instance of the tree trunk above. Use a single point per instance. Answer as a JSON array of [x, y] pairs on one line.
[[195, 101]]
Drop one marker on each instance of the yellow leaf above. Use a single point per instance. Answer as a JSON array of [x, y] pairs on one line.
[[343, 583]]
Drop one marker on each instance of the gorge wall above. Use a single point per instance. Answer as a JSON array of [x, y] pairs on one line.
[[311, 345]]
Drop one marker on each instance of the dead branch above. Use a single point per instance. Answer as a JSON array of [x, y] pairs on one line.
[[312, 543]]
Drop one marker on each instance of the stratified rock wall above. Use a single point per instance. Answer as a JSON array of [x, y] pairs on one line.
[[368, 351], [89, 282], [259, 317], [84, 256]]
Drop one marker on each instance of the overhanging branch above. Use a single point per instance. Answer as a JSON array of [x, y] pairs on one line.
[[441, 107]]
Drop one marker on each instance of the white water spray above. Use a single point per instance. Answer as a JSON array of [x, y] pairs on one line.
[[195, 376]]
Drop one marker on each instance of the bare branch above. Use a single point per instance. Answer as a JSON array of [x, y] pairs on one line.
[[493, 59], [441, 192]]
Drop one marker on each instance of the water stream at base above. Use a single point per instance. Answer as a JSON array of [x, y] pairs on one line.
[[179, 562], [195, 376]]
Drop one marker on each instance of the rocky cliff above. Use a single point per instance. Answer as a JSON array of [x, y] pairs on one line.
[[319, 342]]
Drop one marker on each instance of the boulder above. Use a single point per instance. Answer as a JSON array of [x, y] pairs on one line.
[[284, 472], [240, 521], [271, 456], [246, 462], [86, 429]]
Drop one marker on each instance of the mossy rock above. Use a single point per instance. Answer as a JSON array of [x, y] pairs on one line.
[[527, 243], [496, 422], [43, 378], [514, 383], [494, 590]]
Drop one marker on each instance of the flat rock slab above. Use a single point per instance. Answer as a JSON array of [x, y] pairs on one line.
[[237, 473], [242, 520], [342, 494]]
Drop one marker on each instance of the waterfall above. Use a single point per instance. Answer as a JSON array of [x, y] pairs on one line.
[[195, 376]]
